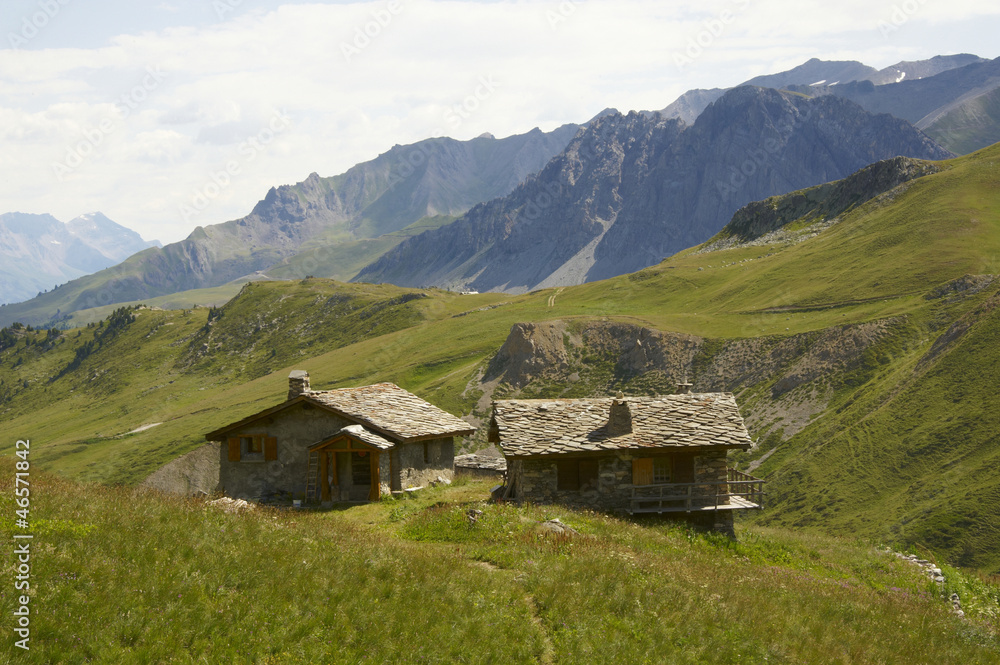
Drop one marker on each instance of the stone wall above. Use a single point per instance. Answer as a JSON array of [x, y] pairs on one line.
[[295, 428], [303, 425], [415, 472], [711, 467], [535, 480]]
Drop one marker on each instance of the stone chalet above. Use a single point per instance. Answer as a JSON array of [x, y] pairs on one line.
[[664, 454], [351, 444]]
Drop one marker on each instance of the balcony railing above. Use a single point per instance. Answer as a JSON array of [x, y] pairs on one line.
[[740, 491]]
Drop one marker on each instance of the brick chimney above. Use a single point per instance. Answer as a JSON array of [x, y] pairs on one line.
[[298, 383], [620, 418]]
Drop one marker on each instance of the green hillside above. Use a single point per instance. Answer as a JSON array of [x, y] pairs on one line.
[[970, 125], [894, 441], [341, 260], [127, 576]]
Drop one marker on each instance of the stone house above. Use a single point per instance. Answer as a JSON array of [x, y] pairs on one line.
[[350, 444], [663, 454]]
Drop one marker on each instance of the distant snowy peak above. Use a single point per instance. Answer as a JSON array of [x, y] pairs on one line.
[[38, 252], [109, 238]]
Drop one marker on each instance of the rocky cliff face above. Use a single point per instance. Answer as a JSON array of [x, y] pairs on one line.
[[631, 190], [953, 105], [405, 184], [784, 381]]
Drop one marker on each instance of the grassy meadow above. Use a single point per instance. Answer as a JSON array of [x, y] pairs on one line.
[[909, 435], [903, 454], [124, 575]]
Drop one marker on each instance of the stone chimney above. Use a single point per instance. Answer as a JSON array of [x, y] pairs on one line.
[[620, 418], [298, 383], [684, 388]]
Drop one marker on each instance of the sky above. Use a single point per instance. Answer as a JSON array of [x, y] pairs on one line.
[[168, 115]]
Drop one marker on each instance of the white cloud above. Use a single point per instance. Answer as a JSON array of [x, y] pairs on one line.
[[180, 100]]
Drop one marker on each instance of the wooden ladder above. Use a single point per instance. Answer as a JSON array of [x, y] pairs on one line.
[[312, 476]]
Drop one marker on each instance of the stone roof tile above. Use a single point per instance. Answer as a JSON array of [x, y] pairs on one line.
[[546, 427], [392, 410]]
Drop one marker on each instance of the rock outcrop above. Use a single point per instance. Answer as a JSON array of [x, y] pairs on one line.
[[791, 376]]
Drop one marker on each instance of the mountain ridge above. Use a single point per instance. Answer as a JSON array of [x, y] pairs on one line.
[[934, 88], [396, 189], [40, 252], [630, 190]]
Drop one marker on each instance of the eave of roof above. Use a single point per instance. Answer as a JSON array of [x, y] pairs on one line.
[[355, 433], [219, 434], [648, 450], [313, 399]]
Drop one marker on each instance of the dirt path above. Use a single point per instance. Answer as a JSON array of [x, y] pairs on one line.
[[547, 657]]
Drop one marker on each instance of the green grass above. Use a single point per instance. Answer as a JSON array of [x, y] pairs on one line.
[[917, 445], [969, 127], [893, 456], [120, 575]]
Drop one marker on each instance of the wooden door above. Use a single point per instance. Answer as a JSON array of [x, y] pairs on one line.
[[642, 471]]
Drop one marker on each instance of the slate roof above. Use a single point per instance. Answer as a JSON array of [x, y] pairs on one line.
[[392, 410], [384, 408], [473, 461], [559, 426], [359, 433]]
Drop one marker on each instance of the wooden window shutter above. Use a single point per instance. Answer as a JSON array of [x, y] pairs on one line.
[[234, 449], [270, 448], [567, 475], [642, 471]]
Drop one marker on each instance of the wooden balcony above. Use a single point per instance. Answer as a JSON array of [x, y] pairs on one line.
[[740, 491]]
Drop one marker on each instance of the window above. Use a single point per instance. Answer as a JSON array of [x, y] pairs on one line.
[[578, 475], [253, 448], [427, 453], [662, 470]]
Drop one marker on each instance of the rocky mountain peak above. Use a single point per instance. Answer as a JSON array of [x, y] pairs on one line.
[[630, 190]]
